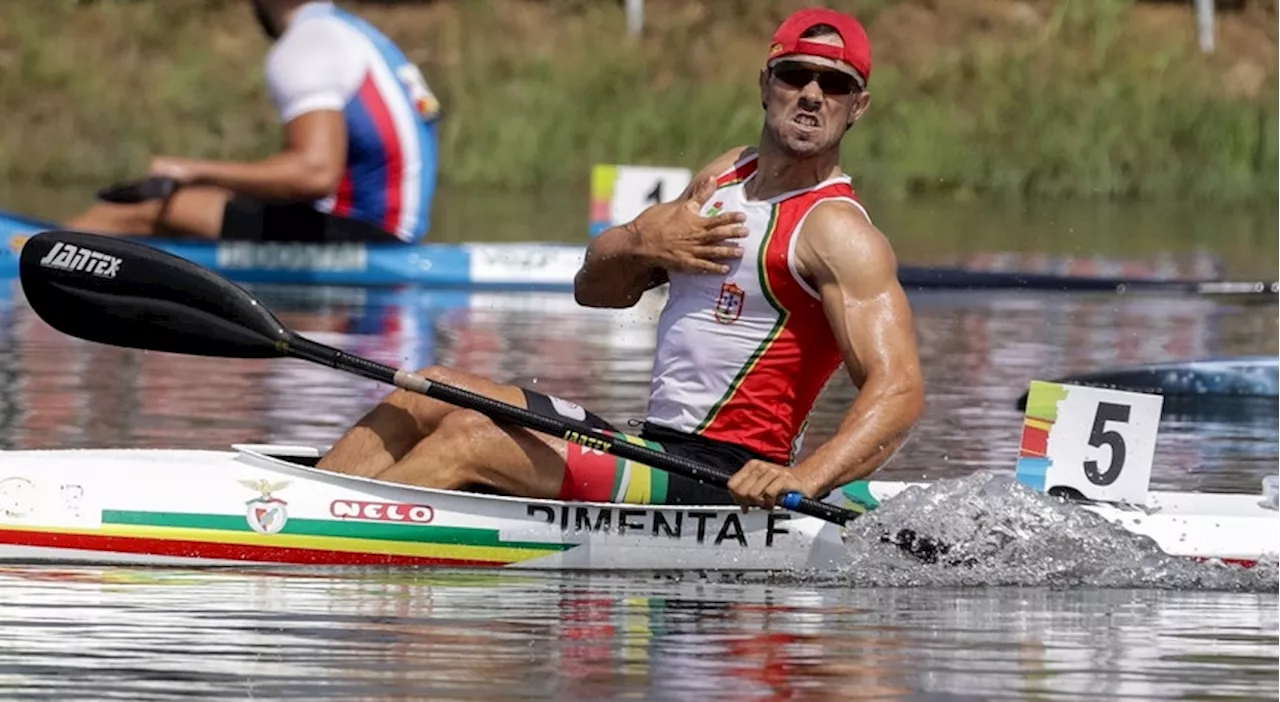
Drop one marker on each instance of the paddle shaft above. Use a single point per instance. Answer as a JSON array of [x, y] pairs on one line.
[[563, 428]]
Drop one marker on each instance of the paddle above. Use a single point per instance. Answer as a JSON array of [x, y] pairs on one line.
[[154, 188], [124, 293]]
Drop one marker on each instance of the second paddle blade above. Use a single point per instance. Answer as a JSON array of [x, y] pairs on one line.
[[120, 292]]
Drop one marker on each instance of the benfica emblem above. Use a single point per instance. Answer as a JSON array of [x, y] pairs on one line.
[[266, 513], [729, 304]]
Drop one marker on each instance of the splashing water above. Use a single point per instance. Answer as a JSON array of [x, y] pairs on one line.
[[1000, 532]]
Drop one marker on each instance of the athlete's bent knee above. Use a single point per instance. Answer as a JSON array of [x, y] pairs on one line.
[[457, 441], [463, 427]]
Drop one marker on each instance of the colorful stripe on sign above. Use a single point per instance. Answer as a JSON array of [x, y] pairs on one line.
[[301, 541], [603, 179], [1042, 412]]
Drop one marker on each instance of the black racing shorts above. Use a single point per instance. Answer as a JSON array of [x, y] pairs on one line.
[[597, 477], [250, 219]]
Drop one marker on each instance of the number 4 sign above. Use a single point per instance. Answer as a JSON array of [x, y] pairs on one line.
[[1091, 442]]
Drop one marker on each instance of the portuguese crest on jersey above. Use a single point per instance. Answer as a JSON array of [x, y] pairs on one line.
[[266, 513], [729, 303]]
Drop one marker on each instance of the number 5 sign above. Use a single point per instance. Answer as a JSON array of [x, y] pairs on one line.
[[620, 193], [1097, 442]]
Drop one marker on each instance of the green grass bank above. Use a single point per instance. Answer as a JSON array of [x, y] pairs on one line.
[[1108, 99]]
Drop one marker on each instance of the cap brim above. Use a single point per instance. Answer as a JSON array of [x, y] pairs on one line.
[[822, 61]]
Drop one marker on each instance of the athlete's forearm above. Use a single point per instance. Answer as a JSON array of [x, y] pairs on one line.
[[873, 429], [289, 176], [615, 271]]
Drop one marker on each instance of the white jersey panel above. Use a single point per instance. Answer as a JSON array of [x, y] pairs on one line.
[[318, 64]]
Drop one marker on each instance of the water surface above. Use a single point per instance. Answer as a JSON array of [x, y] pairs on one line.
[[127, 634]]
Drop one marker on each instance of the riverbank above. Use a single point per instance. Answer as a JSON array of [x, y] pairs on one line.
[[1105, 99]]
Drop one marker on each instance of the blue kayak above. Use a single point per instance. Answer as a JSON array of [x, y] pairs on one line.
[[526, 266]]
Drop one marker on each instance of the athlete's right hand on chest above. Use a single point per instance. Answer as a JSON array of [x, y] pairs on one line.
[[676, 237]]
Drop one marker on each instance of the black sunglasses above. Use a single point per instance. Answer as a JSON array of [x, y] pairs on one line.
[[832, 82]]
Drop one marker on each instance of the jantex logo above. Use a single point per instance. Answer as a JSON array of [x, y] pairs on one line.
[[67, 257]]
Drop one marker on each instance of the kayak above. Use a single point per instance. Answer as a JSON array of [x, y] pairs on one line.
[[1239, 376], [269, 505]]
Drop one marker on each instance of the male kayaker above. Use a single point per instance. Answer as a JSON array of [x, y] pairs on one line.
[[359, 156], [777, 277]]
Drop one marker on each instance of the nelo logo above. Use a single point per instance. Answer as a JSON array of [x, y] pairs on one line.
[[382, 511], [75, 258]]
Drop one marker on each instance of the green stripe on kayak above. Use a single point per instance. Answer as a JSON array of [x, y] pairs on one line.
[[382, 531]]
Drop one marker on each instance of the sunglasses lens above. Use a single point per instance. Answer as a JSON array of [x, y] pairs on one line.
[[794, 77], [838, 83], [831, 82], [834, 84]]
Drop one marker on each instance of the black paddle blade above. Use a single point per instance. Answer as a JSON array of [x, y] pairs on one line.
[[154, 188], [123, 293]]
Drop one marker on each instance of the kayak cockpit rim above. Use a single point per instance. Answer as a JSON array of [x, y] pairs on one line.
[[276, 456]]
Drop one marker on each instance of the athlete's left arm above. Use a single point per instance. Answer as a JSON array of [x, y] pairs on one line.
[[852, 266], [309, 168]]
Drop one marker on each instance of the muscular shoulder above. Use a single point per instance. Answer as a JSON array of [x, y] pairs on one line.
[[727, 160], [317, 64], [839, 244], [720, 164]]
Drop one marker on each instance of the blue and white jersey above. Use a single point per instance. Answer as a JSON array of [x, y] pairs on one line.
[[330, 59]]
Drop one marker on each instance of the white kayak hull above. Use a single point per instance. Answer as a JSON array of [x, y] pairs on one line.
[[254, 505]]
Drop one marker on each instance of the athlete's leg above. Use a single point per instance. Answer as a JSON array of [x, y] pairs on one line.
[[469, 449], [191, 211], [403, 419]]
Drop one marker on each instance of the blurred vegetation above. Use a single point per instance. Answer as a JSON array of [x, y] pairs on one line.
[[1020, 98]]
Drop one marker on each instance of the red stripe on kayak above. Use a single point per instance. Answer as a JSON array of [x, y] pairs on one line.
[[180, 548], [277, 554]]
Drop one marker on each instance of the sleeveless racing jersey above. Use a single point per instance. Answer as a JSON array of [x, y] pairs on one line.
[[329, 59], [742, 357]]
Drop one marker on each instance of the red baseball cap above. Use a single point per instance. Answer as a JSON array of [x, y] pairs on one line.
[[853, 57]]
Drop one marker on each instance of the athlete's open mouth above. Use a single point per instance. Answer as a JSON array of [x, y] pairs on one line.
[[806, 120]]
